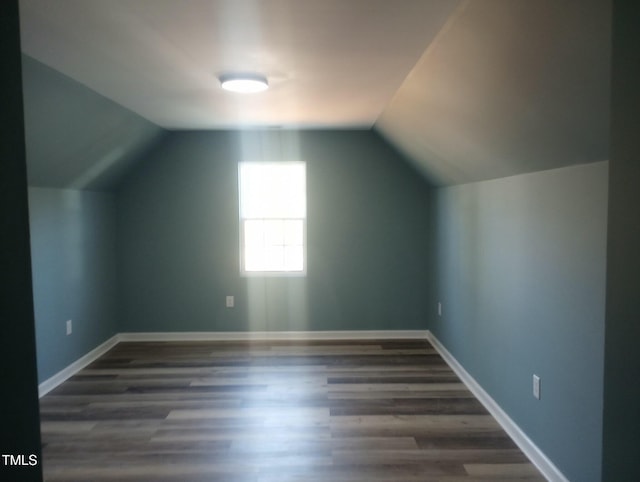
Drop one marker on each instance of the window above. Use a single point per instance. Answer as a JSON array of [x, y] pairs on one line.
[[273, 211]]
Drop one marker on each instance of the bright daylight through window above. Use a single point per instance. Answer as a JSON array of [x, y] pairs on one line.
[[273, 211]]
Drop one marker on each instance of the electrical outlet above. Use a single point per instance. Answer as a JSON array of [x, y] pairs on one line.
[[69, 327], [230, 301], [439, 308], [536, 386]]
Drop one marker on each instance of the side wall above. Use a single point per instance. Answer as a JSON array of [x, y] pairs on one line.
[[74, 274], [521, 275], [366, 230]]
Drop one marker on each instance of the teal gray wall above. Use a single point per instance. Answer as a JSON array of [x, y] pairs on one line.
[[621, 436], [521, 275], [77, 138], [76, 141], [366, 234], [74, 273]]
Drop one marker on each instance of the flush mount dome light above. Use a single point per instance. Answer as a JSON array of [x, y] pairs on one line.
[[244, 83]]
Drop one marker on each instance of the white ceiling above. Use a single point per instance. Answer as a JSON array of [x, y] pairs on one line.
[[467, 90], [507, 87], [330, 63]]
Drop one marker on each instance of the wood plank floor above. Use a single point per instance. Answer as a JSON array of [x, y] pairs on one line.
[[267, 411]]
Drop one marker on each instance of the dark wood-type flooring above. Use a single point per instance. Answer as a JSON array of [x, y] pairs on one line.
[[273, 411]]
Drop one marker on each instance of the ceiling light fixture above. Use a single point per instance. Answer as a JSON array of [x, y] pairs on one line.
[[244, 83]]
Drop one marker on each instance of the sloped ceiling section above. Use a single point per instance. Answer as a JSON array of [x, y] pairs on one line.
[[467, 90], [75, 137], [507, 87], [330, 63]]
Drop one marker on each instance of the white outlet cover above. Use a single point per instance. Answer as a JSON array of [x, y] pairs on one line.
[[536, 386], [69, 327], [230, 301]]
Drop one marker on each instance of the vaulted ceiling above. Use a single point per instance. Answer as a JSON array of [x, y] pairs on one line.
[[467, 90], [506, 87]]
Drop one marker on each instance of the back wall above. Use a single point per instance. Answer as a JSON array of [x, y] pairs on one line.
[[367, 230]]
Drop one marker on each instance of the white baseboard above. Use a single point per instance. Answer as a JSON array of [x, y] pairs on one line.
[[531, 450], [51, 383], [272, 335]]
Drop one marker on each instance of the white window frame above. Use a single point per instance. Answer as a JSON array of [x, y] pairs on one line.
[[244, 219]]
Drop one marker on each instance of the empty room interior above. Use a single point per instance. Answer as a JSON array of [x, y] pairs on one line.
[[408, 253]]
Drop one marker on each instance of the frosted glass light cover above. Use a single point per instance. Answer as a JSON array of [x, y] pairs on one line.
[[244, 84]]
